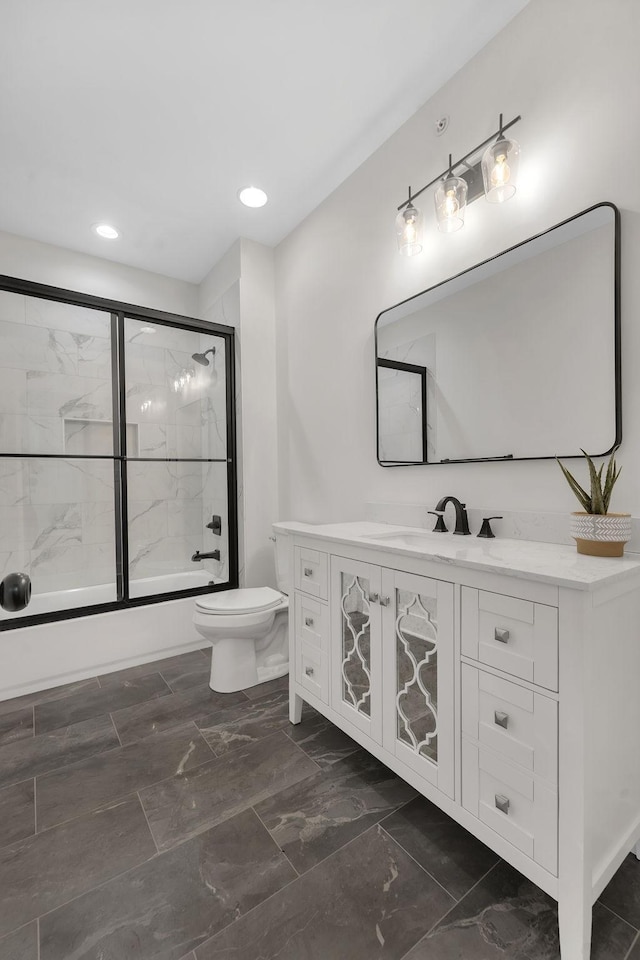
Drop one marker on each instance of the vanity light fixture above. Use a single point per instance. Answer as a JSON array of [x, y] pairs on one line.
[[492, 173], [106, 231], [409, 229]]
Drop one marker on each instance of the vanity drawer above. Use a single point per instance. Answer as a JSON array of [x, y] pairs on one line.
[[516, 806], [311, 571], [311, 621], [517, 636], [520, 725], [312, 670]]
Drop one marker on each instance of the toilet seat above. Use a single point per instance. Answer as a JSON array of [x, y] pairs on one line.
[[238, 603]]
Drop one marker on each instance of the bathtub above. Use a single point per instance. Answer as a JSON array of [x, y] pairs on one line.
[[46, 655], [106, 593]]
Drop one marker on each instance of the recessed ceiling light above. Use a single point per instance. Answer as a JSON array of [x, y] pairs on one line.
[[106, 231], [252, 197]]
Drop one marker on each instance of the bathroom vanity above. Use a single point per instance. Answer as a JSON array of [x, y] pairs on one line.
[[499, 678]]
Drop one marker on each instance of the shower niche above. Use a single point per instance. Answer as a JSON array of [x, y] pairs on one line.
[[117, 446]]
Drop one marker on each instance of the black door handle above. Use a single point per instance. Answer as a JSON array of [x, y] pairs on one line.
[[15, 592]]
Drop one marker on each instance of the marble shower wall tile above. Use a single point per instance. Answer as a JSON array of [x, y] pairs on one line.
[[38, 349], [55, 398], [13, 391], [65, 317], [12, 307]]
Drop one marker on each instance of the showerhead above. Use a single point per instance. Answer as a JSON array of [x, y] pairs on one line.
[[202, 357]]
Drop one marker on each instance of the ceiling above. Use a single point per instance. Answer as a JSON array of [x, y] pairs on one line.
[[151, 114]]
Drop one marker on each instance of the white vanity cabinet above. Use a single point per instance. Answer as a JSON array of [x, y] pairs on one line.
[[499, 679], [392, 663]]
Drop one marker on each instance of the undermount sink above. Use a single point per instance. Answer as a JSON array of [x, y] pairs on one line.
[[418, 539]]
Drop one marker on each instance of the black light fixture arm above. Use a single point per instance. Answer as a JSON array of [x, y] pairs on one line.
[[497, 133]]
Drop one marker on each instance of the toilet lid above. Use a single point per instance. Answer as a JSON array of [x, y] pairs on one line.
[[247, 600]]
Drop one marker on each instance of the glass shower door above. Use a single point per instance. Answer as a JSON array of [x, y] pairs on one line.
[[57, 482], [176, 458]]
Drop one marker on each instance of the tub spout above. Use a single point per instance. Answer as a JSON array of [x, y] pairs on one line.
[[214, 555]]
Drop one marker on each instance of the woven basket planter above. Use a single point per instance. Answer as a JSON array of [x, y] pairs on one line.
[[601, 535]]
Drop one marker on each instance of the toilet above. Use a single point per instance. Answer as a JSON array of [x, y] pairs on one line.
[[247, 629]]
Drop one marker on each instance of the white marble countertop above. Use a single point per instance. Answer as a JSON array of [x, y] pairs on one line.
[[528, 559]]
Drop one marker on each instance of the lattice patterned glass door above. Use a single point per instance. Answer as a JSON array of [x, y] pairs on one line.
[[416, 639], [355, 606]]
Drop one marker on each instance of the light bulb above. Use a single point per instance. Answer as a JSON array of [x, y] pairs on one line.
[[451, 205], [409, 230], [500, 178], [501, 171]]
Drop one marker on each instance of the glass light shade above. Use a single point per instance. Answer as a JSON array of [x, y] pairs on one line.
[[409, 230], [451, 200], [500, 170]]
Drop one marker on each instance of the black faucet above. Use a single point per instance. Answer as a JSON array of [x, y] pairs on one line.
[[214, 555], [462, 520]]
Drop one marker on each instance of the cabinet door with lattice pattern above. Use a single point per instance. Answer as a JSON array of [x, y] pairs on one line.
[[417, 652], [356, 690]]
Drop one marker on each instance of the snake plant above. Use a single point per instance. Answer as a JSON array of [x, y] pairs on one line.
[[597, 501]]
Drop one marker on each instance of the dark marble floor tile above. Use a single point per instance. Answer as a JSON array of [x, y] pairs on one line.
[[16, 725], [22, 944], [367, 901], [245, 723], [45, 871], [84, 704], [91, 783], [67, 745], [183, 670], [196, 703], [446, 850], [320, 739], [506, 917], [622, 895], [635, 953], [317, 816], [183, 806], [174, 902], [268, 687], [17, 813], [43, 696]]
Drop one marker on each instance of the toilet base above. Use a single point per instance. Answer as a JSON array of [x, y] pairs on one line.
[[238, 663]]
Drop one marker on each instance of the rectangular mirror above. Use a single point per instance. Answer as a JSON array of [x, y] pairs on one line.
[[516, 358]]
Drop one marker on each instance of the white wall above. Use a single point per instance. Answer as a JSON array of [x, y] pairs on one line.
[[570, 68], [44, 263], [247, 270]]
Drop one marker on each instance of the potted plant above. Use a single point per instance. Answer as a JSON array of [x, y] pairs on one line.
[[597, 532]]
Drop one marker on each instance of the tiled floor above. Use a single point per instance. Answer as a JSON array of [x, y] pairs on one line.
[[143, 817]]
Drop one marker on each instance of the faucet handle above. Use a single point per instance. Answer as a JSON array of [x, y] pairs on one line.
[[440, 526], [485, 529]]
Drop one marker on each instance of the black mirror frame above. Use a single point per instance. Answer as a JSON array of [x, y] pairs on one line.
[[617, 346]]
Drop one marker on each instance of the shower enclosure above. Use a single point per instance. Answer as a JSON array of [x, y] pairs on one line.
[[117, 453]]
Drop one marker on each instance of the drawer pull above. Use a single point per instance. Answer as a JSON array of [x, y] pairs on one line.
[[501, 635], [384, 601], [308, 671], [502, 719], [308, 621], [308, 572], [502, 803]]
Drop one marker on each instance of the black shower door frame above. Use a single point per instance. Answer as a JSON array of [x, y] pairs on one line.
[[119, 312]]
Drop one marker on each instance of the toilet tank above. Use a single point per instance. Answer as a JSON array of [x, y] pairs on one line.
[[281, 547]]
